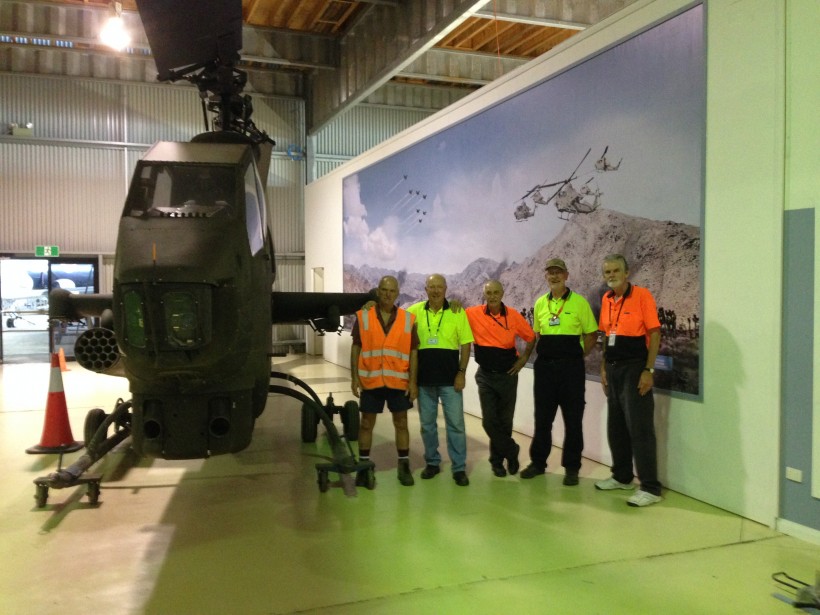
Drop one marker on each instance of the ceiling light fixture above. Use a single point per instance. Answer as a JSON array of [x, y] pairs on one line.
[[113, 33]]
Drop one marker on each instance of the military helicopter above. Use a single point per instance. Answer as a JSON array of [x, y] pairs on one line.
[[567, 199], [189, 320], [524, 212], [570, 201], [602, 164]]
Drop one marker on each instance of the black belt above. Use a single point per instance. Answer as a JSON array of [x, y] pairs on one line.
[[624, 361], [560, 359], [494, 371]]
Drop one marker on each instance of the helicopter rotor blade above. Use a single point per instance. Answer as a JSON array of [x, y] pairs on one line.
[[188, 34], [572, 175]]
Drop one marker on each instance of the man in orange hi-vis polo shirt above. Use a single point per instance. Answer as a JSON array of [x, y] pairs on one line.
[[632, 337], [495, 328]]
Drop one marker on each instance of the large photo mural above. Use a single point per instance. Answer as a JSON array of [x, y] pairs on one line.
[[604, 157]]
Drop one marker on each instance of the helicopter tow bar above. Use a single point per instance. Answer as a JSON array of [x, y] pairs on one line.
[[98, 444], [343, 459]]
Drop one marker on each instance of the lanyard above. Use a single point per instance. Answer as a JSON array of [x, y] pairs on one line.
[[505, 326], [614, 326], [563, 303], [440, 318]]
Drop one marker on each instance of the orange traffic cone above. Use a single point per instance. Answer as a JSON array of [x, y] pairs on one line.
[[57, 437], [61, 354]]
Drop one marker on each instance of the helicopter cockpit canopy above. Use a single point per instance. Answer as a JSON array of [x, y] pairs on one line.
[[183, 191]]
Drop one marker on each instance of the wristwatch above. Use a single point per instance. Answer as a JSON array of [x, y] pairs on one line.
[[651, 370]]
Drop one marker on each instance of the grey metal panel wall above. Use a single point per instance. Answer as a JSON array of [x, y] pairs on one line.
[[161, 113], [174, 113], [799, 262], [63, 108], [107, 274], [326, 164], [60, 195], [142, 113], [284, 121], [290, 276], [285, 195], [363, 127], [422, 97]]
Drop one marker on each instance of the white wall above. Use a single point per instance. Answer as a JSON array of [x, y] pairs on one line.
[[724, 449]]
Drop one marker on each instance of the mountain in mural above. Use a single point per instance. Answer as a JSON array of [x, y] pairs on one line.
[[664, 257]]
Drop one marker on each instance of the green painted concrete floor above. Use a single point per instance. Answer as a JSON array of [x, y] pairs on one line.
[[251, 533]]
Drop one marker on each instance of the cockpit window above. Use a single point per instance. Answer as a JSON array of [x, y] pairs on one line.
[[182, 191], [254, 210]]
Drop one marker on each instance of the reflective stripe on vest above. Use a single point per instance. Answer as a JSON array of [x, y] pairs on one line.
[[385, 359]]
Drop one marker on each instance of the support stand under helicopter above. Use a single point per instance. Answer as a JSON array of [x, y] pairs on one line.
[[98, 443]]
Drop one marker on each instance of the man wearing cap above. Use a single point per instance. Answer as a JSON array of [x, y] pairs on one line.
[[566, 331], [383, 361], [632, 337], [495, 328]]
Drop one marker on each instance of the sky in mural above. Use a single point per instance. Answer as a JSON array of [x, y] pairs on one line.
[[423, 208]]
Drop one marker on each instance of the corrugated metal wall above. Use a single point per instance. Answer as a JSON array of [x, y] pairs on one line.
[[62, 195], [285, 195], [363, 127], [63, 108], [68, 181]]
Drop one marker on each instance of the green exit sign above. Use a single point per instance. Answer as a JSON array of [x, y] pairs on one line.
[[46, 251]]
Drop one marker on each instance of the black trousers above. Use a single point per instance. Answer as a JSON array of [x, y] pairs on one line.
[[559, 382], [497, 393], [630, 426]]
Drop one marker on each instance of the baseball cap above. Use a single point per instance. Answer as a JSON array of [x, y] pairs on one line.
[[555, 262]]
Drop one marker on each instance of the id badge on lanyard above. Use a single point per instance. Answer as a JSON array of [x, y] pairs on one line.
[[611, 341]]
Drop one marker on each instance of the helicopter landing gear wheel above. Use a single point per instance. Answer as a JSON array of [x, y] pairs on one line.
[[41, 495], [93, 420], [310, 422], [94, 492], [350, 420], [322, 480]]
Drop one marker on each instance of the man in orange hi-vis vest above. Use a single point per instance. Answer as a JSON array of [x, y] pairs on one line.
[[383, 363]]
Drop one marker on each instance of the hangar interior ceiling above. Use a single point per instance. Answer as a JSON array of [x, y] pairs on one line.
[[333, 54]]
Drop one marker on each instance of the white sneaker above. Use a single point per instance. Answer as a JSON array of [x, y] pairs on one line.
[[643, 498], [610, 483]]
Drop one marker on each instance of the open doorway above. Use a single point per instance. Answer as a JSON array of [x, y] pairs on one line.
[[26, 336]]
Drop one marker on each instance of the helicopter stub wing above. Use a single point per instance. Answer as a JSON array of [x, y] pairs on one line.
[[66, 306], [323, 310]]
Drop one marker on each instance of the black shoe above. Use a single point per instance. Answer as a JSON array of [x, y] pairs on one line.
[[499, 470], [362, 478], [571, 478], [532, 470], [404, 474], [430, 471], [461, 479], [512, 462]]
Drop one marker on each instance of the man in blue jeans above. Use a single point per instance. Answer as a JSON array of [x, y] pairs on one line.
[[444, 351]]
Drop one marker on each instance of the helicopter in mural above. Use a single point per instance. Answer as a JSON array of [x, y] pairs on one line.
[[189, 320], [602, 164], [567, 199]]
